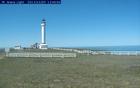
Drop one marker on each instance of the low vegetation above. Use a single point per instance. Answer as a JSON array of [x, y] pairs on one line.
[[85, 71]]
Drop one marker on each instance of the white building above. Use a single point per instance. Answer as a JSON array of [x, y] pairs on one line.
[[18, 47], [43, 44]]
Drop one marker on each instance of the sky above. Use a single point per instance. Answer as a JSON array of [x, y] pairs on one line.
[[72, 23]]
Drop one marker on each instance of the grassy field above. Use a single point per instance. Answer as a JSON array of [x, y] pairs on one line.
[[101, 71]]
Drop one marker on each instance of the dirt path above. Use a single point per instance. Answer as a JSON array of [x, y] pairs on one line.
[[1, 57]]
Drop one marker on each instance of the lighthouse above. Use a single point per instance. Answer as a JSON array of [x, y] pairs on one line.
[[43, 44]]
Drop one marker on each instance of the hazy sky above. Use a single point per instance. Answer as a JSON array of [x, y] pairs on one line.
[[73, 23]]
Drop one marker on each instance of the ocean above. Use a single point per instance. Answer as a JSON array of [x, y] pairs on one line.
[[114, 48], [117, 50]]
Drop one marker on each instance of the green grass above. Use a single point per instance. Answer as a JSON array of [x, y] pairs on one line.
[[101, 71]]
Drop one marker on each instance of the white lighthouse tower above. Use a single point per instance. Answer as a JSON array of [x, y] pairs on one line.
[[43, 44]]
